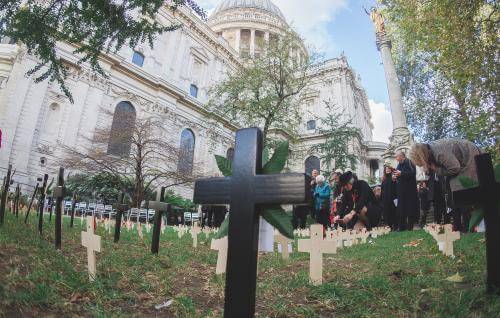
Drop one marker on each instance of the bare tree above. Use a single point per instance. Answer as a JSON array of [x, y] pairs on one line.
[[145, 155]]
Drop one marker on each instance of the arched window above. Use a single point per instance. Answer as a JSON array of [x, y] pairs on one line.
[[122, 129], [230, 154], [312, 163], [193, 90], [185, 164], [52, 121], [138, 59], [311, 125]]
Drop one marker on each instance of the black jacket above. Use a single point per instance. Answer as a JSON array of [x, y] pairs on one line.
[[364, 195]]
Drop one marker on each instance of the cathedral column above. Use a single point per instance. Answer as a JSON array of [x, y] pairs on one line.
[[266, 37], [237, 40], [252, 42]]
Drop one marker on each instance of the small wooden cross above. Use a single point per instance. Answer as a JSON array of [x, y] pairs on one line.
[[207, 231], [139, 230], [363, 235], [283, 241], [344, 238], [93, 244], [221, 246], [316, 246], [195, 230], [448, 237]]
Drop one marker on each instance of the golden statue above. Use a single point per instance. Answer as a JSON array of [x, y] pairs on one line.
[[378, 20]]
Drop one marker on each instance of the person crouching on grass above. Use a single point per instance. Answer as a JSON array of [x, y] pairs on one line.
[[322, 194], [365, 212]]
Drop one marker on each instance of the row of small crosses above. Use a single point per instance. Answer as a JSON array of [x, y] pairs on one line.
[[315, 246], [444, 236], [93, 242]]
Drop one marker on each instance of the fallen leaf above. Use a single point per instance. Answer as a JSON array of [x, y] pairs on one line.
[[414, 243], [455, 278], [167, 303], [75, 297]]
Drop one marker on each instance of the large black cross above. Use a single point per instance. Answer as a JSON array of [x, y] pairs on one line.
[[41, 204], [120, 209], [31, 203], [58, 195], [5, 193], [487, 197], [247, 192], [160, 207]]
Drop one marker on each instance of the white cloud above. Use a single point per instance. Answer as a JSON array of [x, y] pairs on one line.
[[382, 120], [311, 21]]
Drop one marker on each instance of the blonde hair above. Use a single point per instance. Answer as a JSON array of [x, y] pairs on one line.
[[420, 155]]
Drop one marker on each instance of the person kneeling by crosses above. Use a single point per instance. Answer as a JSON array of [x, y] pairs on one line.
[[364, 203]]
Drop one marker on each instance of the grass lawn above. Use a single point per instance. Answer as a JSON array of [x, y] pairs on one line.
[[379, 279]]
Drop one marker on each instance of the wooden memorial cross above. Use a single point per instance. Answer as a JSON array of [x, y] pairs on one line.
[[316, 246], [344, 236], [160, 207], [15, 204], [5, 193], [59, 193], [93, 244], [447, 238], [486, 196], [139, 230], [363, 235], [283, 241], [41, 204], [220, 245], [195, 230], [247, 192], [73, 207], [120, 208], [31, 203]]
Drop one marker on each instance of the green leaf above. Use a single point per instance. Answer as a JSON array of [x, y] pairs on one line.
[[265, 156], [277, 217], [467, 182], [224, 229], [225, 165], [497, 173], [278, 160], [476, 217]]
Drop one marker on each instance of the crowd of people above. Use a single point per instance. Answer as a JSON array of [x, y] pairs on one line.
[[399, 201]]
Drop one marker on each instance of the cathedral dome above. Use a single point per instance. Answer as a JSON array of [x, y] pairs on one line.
[[264, 5]]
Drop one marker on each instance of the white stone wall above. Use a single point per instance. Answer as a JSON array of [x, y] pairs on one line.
[[36, 119]]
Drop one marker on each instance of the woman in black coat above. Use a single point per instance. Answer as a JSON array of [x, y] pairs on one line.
[[388, 196], [408, 205]]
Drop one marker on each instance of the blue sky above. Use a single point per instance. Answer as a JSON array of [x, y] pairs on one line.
[[336, 26]]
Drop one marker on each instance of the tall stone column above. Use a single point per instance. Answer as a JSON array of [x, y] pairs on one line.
[[401, 138], [252, 42]]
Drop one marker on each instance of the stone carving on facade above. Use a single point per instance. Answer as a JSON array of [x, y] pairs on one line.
[[3, 81]]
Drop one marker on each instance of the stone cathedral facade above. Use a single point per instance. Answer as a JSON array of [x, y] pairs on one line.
[[171, 80]]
